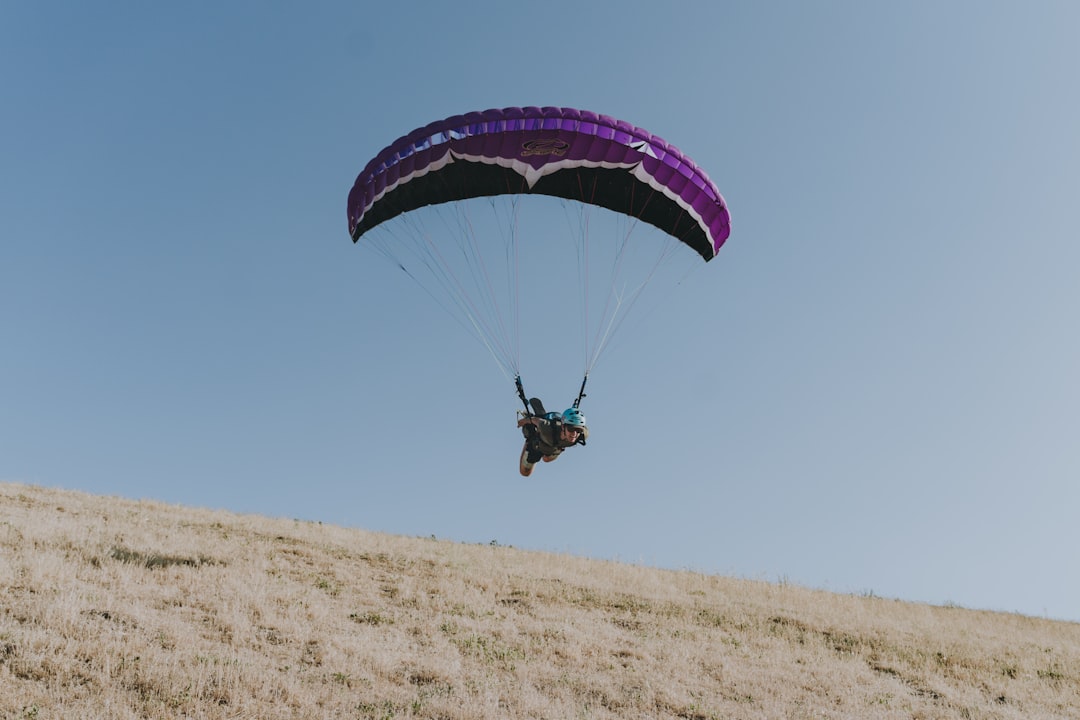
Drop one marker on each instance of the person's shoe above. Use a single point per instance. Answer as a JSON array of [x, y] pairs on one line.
[[524, 466]]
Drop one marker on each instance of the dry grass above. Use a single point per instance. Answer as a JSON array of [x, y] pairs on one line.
[[112, 608]]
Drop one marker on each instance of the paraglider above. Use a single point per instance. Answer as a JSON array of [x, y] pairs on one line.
[[582, 157], [548, 434]]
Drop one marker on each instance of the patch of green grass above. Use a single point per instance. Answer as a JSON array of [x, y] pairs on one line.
[[370, 618], [156, 560]]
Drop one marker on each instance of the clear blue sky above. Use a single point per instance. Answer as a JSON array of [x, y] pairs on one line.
[[874, 388]]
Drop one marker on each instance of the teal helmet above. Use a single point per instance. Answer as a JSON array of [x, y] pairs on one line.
[[573, 417]]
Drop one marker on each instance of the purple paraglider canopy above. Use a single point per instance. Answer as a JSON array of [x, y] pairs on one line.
[[562, 152]]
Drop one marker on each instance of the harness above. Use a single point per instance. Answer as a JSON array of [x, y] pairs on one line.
[[535, 440]]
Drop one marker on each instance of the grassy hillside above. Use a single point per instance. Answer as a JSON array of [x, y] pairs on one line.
[[112, 608]]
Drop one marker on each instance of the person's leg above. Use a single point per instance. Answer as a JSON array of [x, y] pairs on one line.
[[525, 466]]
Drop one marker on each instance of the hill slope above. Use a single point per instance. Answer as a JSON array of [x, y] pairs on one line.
[[112, 608]]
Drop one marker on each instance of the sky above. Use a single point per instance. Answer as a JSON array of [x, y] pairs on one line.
[[873, 388]]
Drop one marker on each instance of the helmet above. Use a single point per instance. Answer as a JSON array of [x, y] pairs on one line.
[[572, 416]]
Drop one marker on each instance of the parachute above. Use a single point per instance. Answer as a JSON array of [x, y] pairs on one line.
[[562, 152], [578, 156]]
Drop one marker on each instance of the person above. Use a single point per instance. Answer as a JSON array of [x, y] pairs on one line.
[[548, 434]]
